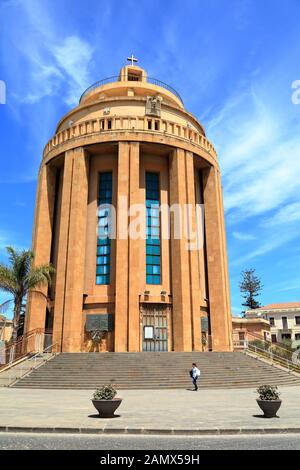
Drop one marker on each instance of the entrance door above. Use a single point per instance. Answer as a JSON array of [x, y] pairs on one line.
[[155, 327]]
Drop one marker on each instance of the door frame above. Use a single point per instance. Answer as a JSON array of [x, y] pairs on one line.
[[153, 311]]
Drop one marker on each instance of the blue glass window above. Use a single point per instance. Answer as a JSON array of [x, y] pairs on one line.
[[153, 252], [103, 244]]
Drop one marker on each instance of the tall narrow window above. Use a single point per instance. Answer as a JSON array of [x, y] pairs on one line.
[[104, 244], [153, 248]]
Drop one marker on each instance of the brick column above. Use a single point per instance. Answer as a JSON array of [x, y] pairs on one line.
[[182, 322], [218, 284], [122, 250], [41, 243], [195, 291], [225, 263], [68, 327], [136, 247]]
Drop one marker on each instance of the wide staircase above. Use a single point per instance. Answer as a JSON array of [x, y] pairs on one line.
[[154, 371]]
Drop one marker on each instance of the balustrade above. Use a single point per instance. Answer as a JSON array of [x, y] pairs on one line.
[[130, 123]]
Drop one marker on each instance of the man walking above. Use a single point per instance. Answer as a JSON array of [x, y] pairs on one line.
[[195, 374]]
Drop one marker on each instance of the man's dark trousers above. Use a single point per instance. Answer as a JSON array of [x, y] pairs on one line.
[[195, 383]]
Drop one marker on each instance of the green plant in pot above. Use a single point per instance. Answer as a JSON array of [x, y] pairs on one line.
[[268, 400], [105, 402]]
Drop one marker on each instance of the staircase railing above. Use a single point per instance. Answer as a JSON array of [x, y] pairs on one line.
[[277, 348], [33, 362], [275, 358], [272, 352], [30, 343]]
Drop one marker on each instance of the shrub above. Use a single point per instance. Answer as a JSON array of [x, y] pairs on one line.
[[260, 344], [281, 351], [107, 392], [287, 344], [268, 392]]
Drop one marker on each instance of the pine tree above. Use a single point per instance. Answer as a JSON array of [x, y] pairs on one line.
[[250, 287]]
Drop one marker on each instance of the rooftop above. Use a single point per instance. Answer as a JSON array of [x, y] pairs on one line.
[[4, 319], [131, 77], [117, 78], [249, 320], [281, 305], [278, 306]]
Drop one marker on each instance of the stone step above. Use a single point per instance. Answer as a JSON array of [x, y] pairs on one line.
[[137, 384], [142, 384], [156, 368], [170, 378], [142, 387], [157, 379], [145, 376], [153, 370]]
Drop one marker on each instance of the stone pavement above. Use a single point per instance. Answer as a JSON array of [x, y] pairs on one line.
[[147, 411]]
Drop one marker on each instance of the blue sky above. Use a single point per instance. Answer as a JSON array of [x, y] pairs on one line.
[[232, 61]]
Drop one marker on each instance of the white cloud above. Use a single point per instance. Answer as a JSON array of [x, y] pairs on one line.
[[292, 285], [54, 61], [60, 66], [243, 236], [269, 241], [42, 59], [46, 79], [259, 151], [287, 214], [73, 57]]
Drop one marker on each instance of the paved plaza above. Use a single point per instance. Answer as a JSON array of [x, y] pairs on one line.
[[152, 411]]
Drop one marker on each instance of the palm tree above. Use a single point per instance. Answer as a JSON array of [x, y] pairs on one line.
[[20, 278]]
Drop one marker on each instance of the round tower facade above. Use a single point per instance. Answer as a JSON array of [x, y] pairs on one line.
[[129, 211]]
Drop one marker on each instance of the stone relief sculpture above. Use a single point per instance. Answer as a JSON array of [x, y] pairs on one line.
[[153, 106]]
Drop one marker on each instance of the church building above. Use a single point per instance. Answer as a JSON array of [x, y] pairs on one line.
[[129, 211]]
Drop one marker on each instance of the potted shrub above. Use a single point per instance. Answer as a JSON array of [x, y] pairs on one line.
[[105, 402], [268, 400]]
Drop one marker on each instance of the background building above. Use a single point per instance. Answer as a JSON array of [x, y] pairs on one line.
[[284, 319], [6, 328], [248, 329], [130, 139]]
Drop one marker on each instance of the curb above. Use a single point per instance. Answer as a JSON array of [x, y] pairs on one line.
[[144, 431]]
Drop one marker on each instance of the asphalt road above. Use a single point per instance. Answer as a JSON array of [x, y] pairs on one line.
[[32, 441]]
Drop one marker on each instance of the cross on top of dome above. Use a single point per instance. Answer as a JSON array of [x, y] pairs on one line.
[[132, 59]]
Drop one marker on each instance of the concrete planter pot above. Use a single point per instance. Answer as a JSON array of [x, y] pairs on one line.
[[269, 407], [106, 408]]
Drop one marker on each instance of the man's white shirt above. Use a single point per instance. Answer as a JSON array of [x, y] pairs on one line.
[[196, 372]]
